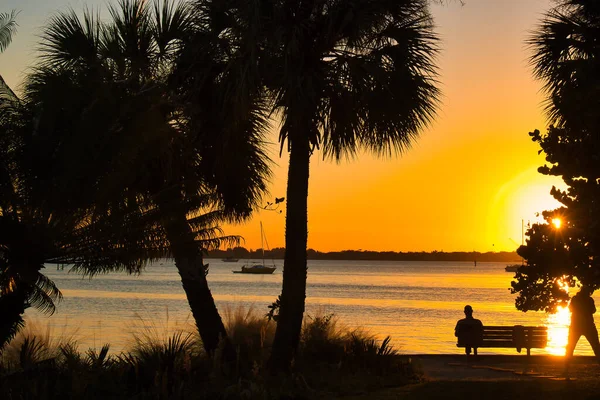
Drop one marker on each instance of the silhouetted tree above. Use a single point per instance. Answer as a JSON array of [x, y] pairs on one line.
[[23, 239], [570, 253], [566, 57], [342, 76], [345, 76], [120, 134], [34, 231]]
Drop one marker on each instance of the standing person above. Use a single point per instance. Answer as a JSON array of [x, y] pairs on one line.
[[469, 331], [582, 323]]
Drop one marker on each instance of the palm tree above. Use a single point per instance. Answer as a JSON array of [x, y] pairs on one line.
[[23, 244], [342, 76], [53, 206], [108, 108], [22, 285], [566, 58], [8, 27], [34, 231]]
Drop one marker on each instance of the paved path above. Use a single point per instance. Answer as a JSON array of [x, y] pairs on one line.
[[496, 377], [498, 368]]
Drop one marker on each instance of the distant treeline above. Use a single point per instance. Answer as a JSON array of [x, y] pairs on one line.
[[278, 253]]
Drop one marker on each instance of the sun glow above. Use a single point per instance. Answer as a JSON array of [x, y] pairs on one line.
[[520, 198], [556, 222]]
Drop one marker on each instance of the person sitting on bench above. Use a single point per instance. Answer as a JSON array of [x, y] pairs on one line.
[[469, 330]]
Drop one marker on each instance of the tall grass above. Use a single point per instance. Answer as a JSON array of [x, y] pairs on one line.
[[35, 343], [165, 360], [251, 335]]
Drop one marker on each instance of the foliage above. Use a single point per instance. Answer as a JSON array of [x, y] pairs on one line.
[[540, 284], [569, 254], [110, 166], [342, 76], [566, 57], [273, 314], [174, 366], [8, 27]]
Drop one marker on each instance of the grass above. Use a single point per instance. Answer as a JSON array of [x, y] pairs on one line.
[[165, 361]]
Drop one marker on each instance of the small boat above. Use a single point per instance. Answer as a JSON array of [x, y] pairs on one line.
[[256, 269], [230, 259], [512, 267], [261, 269]]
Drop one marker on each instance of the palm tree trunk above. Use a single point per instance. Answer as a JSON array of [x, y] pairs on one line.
[[293, 294], [189, 263]]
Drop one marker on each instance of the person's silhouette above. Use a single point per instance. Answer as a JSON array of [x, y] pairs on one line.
[[469, 331], [582, 323]]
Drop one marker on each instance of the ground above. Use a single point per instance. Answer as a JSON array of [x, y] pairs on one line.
[[497, 377]]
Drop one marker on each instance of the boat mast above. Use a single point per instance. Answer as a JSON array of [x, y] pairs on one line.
[[522, 232], [262, 245]]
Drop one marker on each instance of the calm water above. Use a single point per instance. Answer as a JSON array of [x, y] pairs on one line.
[[417, 303]]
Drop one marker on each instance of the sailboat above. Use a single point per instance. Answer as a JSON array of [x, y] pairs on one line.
[[515, 267], [261, 269]]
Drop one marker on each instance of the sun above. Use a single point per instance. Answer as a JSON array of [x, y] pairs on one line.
[[556, 222]]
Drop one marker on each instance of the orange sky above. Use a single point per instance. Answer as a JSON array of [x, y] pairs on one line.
[[464, 186]]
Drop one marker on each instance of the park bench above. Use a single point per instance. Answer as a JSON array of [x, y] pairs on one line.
[[518, 337]]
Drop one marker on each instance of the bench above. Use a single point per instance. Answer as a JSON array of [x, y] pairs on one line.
[[518, 337]]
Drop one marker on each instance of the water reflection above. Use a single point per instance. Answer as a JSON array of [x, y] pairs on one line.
[[558, 331], [417, 303]]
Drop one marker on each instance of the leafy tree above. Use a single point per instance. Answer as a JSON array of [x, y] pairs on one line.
[[566, 50], [570, 253], [34, 232], [23, 244], [342, 76], [21, 283], [123, 139]]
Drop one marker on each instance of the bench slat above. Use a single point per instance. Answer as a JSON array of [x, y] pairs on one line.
[[499, 343], [497, 328], [540, 330], [491, 337], [529, 337]]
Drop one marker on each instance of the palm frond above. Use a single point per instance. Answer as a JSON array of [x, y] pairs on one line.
[[11, 307], [133, 30], [7, 96], [172, 21], [44, 295], [566, 58], [381, 92], [8, 27], [67, 41], [9, 329]]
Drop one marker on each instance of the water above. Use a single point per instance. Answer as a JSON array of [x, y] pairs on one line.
[[417, 303]]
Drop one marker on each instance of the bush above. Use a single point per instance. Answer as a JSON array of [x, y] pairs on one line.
[[165, 363]]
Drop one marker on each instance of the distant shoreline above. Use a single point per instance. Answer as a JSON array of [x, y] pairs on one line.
[[365, 255]]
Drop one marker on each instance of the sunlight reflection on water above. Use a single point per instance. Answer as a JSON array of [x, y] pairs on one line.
[[417, 303], [558, 331]]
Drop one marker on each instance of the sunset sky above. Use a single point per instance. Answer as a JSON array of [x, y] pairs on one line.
[[465, 185]]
